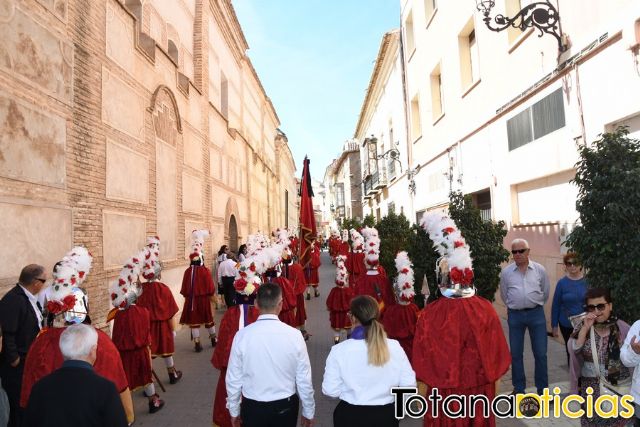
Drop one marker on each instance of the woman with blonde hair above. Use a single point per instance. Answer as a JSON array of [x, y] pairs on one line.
[[361, 370]]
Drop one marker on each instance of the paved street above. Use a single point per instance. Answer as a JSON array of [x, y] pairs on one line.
[[189, 403]]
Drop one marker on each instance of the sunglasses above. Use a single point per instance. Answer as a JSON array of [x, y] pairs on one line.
[[568, 263], [599, 307], [519, 251]]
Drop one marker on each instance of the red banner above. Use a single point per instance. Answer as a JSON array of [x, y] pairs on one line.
[[307, 219]]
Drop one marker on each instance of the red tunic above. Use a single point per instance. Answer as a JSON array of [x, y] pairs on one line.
[[334, 245], [338, 304], [229, 325], [459, 347], [296, 277], [158, 300], [132, 337], [343, 250], [288, 313], [44, 357], [311, 272], [400, 324], [376, 286], [355, 266], [197, 288]]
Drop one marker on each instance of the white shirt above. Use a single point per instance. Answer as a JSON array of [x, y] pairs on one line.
[[348, 375], [33, 299], [268, 362], [631, 359], [227, 268]]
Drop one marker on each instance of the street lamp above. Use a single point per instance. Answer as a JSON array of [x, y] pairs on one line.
[[391, 153], [541, 15]]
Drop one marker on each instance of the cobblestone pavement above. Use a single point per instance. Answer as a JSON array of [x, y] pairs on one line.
[[190, 402]]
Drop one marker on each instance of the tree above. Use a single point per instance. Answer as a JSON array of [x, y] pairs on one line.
[[486, 241], [394, 232], [607, 239], [349, 223], [369, 221], [424, 257]]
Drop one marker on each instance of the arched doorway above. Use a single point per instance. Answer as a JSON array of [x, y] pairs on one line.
[[233, 234]]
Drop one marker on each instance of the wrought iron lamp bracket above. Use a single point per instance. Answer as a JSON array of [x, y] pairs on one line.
[[540, 15]]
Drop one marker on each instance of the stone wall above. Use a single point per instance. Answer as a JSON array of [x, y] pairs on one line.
[[106, 138]]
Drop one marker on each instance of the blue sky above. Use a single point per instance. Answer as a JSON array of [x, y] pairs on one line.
[[314, 59]]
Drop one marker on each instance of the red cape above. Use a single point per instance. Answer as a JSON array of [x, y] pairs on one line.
[[44, 357], [376, 286], [296, 276], [355, 266], [400, 324], [202, 282], [158, 299], [132, 336], [229, 325], [343, 250], [289, 301]]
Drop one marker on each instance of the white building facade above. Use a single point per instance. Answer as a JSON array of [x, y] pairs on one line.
[[498, 114]]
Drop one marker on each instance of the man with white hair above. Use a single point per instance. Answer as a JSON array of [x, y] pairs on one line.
[[524, 288], [74, 394]]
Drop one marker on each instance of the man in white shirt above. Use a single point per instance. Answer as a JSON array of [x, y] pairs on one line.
[[268, 363], [227, 275]]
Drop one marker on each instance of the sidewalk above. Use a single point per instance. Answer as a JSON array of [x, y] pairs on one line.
[[190, 402]]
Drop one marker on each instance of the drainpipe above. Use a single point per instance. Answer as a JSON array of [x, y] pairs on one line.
[[409, 143]]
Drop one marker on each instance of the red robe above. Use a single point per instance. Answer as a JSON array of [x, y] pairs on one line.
[[229, 325], [296, 276], [132, 337], [44, 357], [334, 244], [311, 272], [459, 347], [400, 324], [197, 288], [338, 304], [355, 266], [158, 300], [343, 250], [378, 287], [288, 313]]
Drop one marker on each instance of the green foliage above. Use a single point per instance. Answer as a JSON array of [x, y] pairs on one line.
[[607, 239], [394, 232], [369, 221], [349, 223], [485, 239], [424, 257]]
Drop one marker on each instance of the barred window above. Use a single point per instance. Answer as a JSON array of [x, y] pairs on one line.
[[544, 117]]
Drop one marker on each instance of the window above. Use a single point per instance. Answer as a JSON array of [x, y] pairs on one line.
[[224, 96], [430, 7], [542, 118], [469, 64], [172, 50], [392, 207], [512, 7], [416, 127], [419, 216], [437, 104], [408, 34], [286, 208]]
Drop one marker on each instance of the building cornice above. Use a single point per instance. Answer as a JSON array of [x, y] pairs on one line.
[[388, 43]]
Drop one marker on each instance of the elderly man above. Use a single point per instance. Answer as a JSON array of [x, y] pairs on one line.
[[524, 287], [268, 385], [21, 320], [75, 395]]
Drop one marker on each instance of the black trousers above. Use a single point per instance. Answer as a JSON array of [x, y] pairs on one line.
[[348, 415], [566, 334], [229, 290], [278, 413], [12, 384]]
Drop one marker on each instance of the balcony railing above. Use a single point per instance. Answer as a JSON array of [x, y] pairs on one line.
[[485, 214]]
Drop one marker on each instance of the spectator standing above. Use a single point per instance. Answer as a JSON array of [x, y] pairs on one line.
[[361, 370], [75, 395], [21, 320], [568, 298], [242, 252], [226, 276], [524, 288], [268, 363], [603, 332]]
